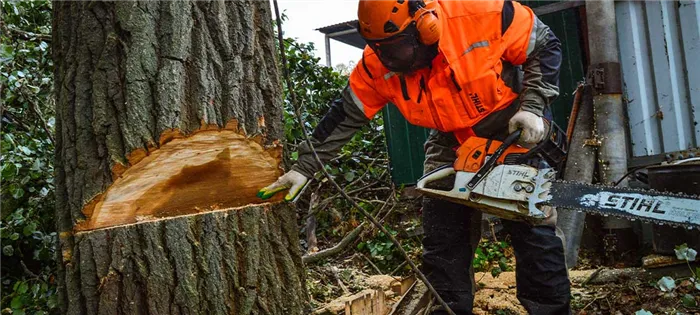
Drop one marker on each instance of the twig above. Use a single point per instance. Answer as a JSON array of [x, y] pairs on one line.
[[38, 114], [27, 271], [29, 35], [379, 272], [393, 272], [310, 258], [592, 276], [428, 307], [340, 282], [364, 212], [594, 299]]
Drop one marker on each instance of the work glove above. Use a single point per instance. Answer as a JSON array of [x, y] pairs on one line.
[[532, 128], [293, 180]]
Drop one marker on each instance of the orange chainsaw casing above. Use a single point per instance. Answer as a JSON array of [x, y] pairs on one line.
[[472, 154]]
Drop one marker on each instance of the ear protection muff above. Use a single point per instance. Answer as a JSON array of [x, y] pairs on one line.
[[427, 22]]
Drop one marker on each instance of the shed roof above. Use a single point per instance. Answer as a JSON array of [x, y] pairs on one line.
[[344, 32]]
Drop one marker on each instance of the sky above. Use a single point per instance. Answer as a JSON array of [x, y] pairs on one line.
[[305, 16]]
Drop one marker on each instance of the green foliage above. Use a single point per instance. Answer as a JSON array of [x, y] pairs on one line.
[[27, 233], [384, 253], [492, 256], [316, 87], [361, 161]]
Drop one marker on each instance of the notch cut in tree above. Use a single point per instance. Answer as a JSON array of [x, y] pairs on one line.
[[168, 122]]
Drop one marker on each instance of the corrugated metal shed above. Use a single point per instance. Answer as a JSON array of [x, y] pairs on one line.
[[659, 48]]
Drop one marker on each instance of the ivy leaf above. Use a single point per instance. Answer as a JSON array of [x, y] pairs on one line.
[[29, 229], [9, 171], [23, 288], [8, 250], [683, 252], [689, 301], [25, 150], [349, 176], [666, 284], [16, 303], [16, 191]]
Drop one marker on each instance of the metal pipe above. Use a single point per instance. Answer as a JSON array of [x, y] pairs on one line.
[[328, 50], [580, 165], [610, 119]]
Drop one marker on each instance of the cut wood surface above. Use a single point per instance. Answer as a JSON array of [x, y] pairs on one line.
[[210, 170]]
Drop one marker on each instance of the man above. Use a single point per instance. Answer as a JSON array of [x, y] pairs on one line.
[[452, 66]]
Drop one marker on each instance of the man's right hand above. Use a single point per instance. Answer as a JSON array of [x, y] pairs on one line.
[[293, 180]]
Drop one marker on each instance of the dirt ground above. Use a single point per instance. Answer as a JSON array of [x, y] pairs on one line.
[[624, 296], [594, 292]]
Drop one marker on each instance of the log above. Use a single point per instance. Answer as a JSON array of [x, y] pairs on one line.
[[169, 119]]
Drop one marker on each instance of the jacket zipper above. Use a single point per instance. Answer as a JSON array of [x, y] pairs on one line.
[[465, 102], [433, 110]]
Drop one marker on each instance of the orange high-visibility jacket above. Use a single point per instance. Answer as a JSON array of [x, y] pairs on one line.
[[464, 84], [480, 43]]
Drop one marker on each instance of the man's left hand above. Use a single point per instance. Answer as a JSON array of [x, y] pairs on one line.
[[532, 126]]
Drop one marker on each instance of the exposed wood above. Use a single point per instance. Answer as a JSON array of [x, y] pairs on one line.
[[207, 171], [657, 261], [311, 240], [402, 286], [375, 300], [414, 301], [369, 302]]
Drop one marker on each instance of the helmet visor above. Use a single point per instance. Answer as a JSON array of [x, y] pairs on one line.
[[398, 53]]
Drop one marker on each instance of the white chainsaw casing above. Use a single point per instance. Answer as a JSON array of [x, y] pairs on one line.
[[496, 194]]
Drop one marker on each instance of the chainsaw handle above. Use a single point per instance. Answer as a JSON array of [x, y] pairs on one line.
[[491, 162]]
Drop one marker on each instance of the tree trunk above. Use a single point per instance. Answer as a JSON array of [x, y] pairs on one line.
[[168, 122]]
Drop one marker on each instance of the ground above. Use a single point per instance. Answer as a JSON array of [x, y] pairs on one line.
[[596, 288]]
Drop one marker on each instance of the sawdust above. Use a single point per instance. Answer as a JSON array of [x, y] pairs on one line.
[[490, 301]]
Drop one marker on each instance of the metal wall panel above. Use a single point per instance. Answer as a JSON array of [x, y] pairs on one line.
[[659, 48]]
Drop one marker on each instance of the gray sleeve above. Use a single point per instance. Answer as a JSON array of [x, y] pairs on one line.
[[336, 128], [540, 86]]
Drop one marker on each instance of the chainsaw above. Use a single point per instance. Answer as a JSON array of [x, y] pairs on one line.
[[517, 183]]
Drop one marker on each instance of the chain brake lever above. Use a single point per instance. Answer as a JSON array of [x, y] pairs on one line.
[[491, 162]]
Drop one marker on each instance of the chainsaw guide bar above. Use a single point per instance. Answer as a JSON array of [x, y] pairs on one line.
[[649, 206]]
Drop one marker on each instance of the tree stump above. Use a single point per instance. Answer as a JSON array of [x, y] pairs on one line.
[[169, 116]]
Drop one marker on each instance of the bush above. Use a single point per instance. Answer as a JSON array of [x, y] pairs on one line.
[[27, 233]]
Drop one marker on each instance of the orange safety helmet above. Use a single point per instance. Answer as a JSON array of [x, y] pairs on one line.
[[382, 19]]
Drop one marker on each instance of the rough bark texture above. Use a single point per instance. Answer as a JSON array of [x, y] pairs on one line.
[[129, 76], [223, 262]]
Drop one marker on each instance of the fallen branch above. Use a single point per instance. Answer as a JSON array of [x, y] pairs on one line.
[[311, 240], [307, 259]]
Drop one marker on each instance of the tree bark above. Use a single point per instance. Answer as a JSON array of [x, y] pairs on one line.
[[168, 121]]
